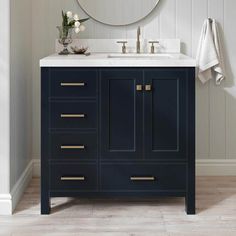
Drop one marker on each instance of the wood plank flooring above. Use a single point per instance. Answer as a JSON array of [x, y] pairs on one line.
[[216, 214]]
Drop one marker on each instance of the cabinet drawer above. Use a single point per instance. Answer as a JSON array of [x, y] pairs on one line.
[[73, 83], [70, 146], [74, 177], [143, 177], [82, 115]]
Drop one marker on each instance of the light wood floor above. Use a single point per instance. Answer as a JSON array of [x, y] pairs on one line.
[[216, 214]]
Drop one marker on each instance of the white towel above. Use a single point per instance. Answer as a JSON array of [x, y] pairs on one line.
[[210, 60]]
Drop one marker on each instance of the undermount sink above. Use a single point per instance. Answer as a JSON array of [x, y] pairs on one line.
[[141, 56]]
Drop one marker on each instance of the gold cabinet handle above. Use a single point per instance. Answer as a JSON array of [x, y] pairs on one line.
[[73, 84], [68, 178], [73, 147], [148, 87], [143, 178], [139, 87], [72, 115]]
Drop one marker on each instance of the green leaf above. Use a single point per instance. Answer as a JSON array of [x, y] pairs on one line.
[[71, 23], [63, 19], [83, 20]]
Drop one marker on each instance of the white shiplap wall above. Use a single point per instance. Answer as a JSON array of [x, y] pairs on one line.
[[216, 105]]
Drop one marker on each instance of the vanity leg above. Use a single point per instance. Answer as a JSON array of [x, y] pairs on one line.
[[45, 195], [45, 204], [191, 179], [45, 141], [190, 193], [190, 204], [190, 190]]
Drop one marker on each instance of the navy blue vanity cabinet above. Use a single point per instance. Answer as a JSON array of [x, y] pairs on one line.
[[118, 132]]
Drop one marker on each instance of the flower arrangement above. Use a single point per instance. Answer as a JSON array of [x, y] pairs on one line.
[[70, 21]]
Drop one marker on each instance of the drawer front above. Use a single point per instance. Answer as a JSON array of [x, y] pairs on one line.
[[70, 146], [73, 83], [143, 177], [82, 115], [74, 177]]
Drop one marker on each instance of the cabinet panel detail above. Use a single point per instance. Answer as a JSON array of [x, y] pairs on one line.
[[165, 115], [121, 114], [144, 177], [166, 120], [73, 83], [74, 146], [73, 177], [73, 114]]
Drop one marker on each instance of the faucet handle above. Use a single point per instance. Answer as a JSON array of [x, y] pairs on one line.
[[152, 45], [123, 46]]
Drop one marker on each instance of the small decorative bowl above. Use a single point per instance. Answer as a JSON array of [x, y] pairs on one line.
[[79, 50]]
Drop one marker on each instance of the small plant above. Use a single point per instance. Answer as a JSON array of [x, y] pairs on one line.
[[70, 21]]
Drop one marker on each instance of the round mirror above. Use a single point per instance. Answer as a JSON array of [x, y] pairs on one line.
[[118, 12]]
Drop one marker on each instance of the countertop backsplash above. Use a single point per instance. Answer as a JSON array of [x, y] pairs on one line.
[[111, 45]]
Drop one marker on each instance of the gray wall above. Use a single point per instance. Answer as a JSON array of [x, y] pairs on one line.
[[20, 87], [4, 97], [216, 106]]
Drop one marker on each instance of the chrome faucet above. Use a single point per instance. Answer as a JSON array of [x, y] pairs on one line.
[[138, 40]]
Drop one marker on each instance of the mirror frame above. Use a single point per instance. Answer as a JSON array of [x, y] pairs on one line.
[[110, 24]]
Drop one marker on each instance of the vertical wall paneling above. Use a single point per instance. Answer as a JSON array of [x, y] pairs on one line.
[[230, 32], [230, 123], [168, 19], [39, 50], [101, 31], [216, 96], [131, 30], [151, 29], [184, 25], [199, 14]]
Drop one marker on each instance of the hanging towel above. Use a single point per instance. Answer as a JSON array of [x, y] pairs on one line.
[[210, 61]]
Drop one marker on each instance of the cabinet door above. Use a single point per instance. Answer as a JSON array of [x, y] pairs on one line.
[[121, 114], [165, 112]]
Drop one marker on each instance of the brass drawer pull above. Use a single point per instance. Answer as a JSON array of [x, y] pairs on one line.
[[139, 87], [137, 178], [72, 115], [72, 84], [73, 147], [148, 87], [79, 178]]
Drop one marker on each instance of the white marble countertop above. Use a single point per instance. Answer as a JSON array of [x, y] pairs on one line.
[[119, 60]]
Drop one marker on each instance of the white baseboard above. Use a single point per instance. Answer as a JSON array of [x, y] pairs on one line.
[[36, 168], [204, 167], [22, 183], [8, 202], [216, 167], [5, 204]]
